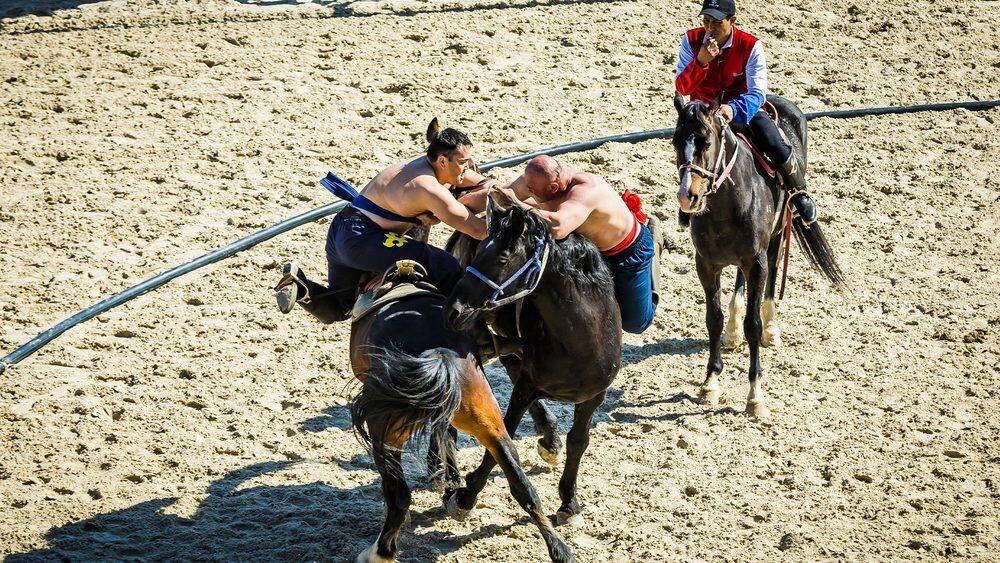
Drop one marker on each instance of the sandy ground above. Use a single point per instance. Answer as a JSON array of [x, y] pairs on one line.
[[197, 423]]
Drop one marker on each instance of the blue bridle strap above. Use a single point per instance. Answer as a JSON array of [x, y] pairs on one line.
[[535, 264]]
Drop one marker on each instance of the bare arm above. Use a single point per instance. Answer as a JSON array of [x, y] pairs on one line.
[[445, 207], [565, 220]]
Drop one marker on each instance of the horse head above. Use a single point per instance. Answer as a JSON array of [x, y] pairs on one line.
[[507, 265], [698, 142]]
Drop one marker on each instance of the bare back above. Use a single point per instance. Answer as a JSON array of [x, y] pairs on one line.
[[609, 221]]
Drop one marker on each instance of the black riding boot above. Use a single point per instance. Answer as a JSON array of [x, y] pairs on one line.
[[327, 306], [795, 185]]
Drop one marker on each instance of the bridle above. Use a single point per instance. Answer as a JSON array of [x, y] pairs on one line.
[[533, 266], [719, 175]]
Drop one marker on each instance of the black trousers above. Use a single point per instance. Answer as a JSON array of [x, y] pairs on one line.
[[764, 133]]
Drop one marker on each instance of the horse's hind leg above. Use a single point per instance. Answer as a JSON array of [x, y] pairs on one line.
[[549, 445], [480, 416], [576, 444], [752, 327], [397, 502], [709, 277], [461, 503], [733, 336], [768, 312]]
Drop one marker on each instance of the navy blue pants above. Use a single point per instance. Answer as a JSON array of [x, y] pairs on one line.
[[356, 245], [632, 270]]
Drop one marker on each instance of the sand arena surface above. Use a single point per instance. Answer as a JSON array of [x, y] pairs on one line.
[[198, 423]]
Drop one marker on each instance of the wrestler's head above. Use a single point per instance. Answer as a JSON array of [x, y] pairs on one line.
[[546, 178], [449, 152]]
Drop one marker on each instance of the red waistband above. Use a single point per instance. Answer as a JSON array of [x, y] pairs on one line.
[[626, 242]]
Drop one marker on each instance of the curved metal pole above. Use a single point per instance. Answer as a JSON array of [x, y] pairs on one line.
[[244, 243]]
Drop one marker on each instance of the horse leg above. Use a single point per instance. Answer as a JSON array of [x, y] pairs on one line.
[[461, 503], [549, 445], [480, 416], [752, 327], [737, 309], [442, 468], [576, 444], [772, 332], [397, 502], [709, 277]]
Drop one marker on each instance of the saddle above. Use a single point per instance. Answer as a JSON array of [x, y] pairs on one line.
[[402, 280]]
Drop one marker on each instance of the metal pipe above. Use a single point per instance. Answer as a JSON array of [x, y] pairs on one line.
[[252, 240]]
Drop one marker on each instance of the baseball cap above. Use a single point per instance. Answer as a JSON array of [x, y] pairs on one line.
[[718, 9]]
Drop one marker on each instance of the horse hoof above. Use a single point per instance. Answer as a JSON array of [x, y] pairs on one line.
[[771, 337], [549, 456], [371, 555], [709, 396], [731, 342], [758, 409], [456, 512], [573, 520]]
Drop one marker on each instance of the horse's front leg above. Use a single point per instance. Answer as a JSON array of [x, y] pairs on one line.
[[576, 444], [752, 329], [772, 332], [549, 445], [709, 277]]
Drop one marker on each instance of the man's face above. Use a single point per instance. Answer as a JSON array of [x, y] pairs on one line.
[[454, 166], [719, 29], [542, 187]]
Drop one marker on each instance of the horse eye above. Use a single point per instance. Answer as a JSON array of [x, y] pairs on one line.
[[504, 257]]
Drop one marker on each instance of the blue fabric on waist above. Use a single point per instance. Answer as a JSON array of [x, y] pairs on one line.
[[363, 203], [346, 192]]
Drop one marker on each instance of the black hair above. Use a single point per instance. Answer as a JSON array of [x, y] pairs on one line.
[[446, 142]]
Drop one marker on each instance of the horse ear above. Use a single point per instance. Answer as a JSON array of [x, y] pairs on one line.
[[679, 102], [501, 199], [433, 129]]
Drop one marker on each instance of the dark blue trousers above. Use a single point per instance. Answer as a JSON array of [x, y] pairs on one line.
[[632, 270]]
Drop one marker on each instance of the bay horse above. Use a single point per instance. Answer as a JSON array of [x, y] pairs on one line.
[[420, 378], [736, 221], [561, 302]]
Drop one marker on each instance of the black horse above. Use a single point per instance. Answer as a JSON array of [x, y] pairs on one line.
[[736, 221], [559, 297], [419, 377]]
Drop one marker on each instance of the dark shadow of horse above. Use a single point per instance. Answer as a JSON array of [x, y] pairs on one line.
[[10, 9], [301, 522]]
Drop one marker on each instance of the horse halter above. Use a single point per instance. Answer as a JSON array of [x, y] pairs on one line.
[[534, 266], [717, 177]]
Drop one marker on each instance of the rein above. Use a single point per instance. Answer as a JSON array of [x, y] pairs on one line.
[[718, 178]]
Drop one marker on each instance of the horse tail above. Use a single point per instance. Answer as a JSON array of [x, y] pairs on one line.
[[816, 247], [408, 395]]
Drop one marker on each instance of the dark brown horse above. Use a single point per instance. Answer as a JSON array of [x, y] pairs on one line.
[[420, 378], [735, 222], [559, 297]]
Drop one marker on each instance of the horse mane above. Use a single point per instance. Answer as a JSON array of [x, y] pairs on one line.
[[574, 258]]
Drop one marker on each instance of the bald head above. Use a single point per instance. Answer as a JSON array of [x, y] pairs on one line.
[[543, 175]]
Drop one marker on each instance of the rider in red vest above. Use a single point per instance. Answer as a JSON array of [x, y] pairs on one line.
[[718, 58]]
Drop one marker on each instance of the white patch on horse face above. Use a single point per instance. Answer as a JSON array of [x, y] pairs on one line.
[[689, 150]]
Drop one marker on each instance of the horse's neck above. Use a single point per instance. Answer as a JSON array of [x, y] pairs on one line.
[[561, 319], [736, 196]]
